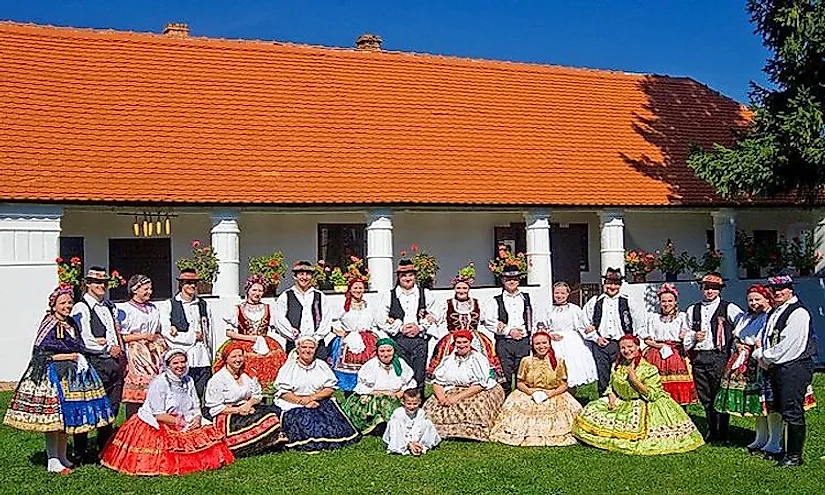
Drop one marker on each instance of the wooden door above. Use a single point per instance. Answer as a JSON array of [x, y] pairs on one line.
[[151, 257], [568, 244]]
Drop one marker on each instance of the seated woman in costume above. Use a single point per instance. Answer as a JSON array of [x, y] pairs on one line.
[[637, 416], [356, 332], [59, 393], [233, 399], [409, 431], [664, 334], [145, 346], [540, 412], [381, 383], [249, 326], [464, 313], [466, 398], [565, 323], [166, 436], [311, 419]]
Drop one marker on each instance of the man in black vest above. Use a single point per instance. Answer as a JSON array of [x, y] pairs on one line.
[[189, 329], [608, 318], [710, 340], [409, 317], [509, 316], [303, 310], [97, 318], [787, 353]]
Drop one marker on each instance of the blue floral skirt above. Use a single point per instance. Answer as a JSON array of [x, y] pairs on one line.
[[322, 428]]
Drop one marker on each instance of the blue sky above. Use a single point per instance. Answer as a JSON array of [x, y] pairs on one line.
[[709, 40]]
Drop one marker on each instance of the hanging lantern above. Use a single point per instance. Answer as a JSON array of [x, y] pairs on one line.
[[151, 227], [145, 228], [168, 226], [157, 226], [136, 227]]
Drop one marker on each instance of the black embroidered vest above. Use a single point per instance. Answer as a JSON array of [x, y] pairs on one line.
[[295, 310], [625, 318], [718, 319], [527, 315], [178, 316], [782, 321]]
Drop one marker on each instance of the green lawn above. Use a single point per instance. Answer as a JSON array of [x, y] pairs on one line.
[[455, 467]]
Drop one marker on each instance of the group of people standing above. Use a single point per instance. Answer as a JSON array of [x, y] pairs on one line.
[[503, 371]]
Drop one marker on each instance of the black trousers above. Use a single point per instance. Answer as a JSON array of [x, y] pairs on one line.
[[708, 367], [510, 352], [414, 351], [605, 358], [111, 372], [200, 375], [790, 382], [321, 352]]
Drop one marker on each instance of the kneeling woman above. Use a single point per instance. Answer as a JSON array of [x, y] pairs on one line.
[[540, 412], [637, 416], [166, 437], [381, 383], [466, 398], [311, 420], [60, 392], [234, 402]]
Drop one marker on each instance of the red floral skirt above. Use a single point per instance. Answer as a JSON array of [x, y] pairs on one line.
[[264, 368], [139, 449], [675, 372]]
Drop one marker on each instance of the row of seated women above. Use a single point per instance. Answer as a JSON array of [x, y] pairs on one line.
[[635, 417]]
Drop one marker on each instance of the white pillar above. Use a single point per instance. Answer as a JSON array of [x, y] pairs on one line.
[[724, 239], [379, 250], [29, 245], [227, 248], [540, 270], [819, 240], [612, 236]]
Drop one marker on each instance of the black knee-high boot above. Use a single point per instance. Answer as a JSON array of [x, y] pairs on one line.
[[794, 444]]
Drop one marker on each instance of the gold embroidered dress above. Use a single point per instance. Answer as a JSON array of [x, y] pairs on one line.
[[525, 422]]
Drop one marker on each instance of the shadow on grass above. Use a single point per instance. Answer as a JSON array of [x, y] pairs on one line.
[[38, 458]]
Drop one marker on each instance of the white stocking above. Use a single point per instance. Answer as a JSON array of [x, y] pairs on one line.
[[776, 434], [761, 433], [53, 463]]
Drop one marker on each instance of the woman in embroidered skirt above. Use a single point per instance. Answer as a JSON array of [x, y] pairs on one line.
[[637, 416], [664, 334], [381, 383], [249, 326], [59, 393], [145, 346], [312, 420], [464, 313], [540, 412], [565, 323], [166, 436], [233, 398], [741, 390], [466, 399], [356, 332]]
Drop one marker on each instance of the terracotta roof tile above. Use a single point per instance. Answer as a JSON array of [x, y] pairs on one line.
[[108, 116]]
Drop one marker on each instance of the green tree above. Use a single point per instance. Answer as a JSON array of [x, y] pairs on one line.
[[783, 149]]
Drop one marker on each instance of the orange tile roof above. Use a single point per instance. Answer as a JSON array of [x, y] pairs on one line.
[[110, 117]]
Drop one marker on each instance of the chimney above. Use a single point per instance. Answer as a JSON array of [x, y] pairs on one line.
[[176, 30], [369, 42]]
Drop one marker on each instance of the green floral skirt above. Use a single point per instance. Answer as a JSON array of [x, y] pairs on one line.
[[368, 411]]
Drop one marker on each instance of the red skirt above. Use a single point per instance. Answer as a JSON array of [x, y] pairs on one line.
[[675, 372], [264, 368], [141, 450]]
